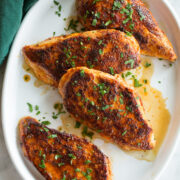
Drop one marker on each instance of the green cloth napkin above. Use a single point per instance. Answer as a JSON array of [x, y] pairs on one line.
[[11, 14]]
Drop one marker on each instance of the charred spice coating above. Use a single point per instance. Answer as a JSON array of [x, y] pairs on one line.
[[107, 106], [130, 16], [110, 51], [59, 155]]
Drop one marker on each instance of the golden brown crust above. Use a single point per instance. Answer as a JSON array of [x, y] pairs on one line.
[[128, 16], [102, 50], [57, 155], [108, 106]]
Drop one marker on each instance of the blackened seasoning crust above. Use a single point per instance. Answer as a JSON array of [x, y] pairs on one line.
[[102, 50], [130, 16], [59, 155], [107, 105]]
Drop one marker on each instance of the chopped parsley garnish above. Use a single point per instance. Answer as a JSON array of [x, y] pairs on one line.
[[147, 64], [56, 2], [94, 22], [77, 170], [30, 107], [59, 7], [141, 15], [128, 33], [36, 107], [42, 165], [103, 89], [97, 15], [99, 130], [89, 64], [94, 2], [46, 129], [100, 42], [57, 156], [87, 133], [111, 70], [116, 5], [105, 107], [82, 73], [78, 94], [136, 83], [122, 55], [72, 156], [38, 112], [60, 164], [130, 61], [79, 147], [78, 124], [124, 133], [145, 90], [121, 101], [52, 136], [145, 81], [128, 73], [100, 51], [87, 161], [73, 24], [46, 123], [108, 23]]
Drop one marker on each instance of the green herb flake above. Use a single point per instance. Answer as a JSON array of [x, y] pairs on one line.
[[111, 70], [130, 61], [78, 94], [60, 164], [146, 65], [94, 22], [100, 51], [145, 81], [42, 165], [87, 161], [82, 73], [77, 170], [121, 101], [116, 5], [105, 107], [78, 124], [52, 136], [79, 147], [124, 133], [30, 107], [57, 156], [38, 112], [122, 55], [95, 1], [137, 83], [87, 133], [97, 15], [46, 123], [72, 156], [108, 23], [56, 2], [46, 129], [128, 33], [100, 42], [36, 107]]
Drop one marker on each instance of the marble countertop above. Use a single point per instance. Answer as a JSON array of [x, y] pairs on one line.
[[8, 171]]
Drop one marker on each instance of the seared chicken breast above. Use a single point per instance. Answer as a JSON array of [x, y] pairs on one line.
[[107, 105], [130, 16], [110, 51], [59, 155]]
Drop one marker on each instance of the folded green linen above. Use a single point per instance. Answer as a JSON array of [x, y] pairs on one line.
[[11, 15]]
